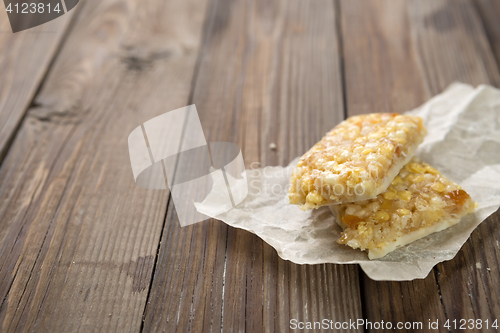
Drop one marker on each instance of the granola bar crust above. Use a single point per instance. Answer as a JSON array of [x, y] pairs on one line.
[[356, 160], [419, 201]]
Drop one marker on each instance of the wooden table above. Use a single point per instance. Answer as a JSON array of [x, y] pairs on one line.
[[82, 248]]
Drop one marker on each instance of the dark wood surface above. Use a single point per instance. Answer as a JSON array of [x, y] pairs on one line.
[[24, 61], [400, 54], [82, 248]]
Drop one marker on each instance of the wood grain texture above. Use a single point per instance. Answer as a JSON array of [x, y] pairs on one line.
[[382, 75], [82, 248], [24, 60], [469, 283], [401, 54], [269, 73], [381, 69], [78, 238], [451, 44], [489, 11], [458, 50]]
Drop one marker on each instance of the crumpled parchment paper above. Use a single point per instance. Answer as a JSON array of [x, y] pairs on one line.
[[463, 143]]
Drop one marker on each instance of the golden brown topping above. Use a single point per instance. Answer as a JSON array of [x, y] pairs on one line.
[[418, 198], [351, 220], [381, 216], [438, 187], [356, 160], [389, 195], [459, 197], [404, 195]]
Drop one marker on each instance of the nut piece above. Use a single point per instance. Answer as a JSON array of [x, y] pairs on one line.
[[389, 195], [356, 160]]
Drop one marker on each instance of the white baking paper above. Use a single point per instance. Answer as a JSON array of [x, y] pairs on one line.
[[463, 143]]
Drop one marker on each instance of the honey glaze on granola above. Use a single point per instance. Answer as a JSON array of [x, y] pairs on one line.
[[417, 198], [353, 158]]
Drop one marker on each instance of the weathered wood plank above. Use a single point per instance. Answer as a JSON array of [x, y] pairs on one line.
[[381, 71], [481, 266], [469, 283], [489, 11], [382, 75], [453, 46], [269, 73], [397, 55], [24, 60], [78, 238]]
